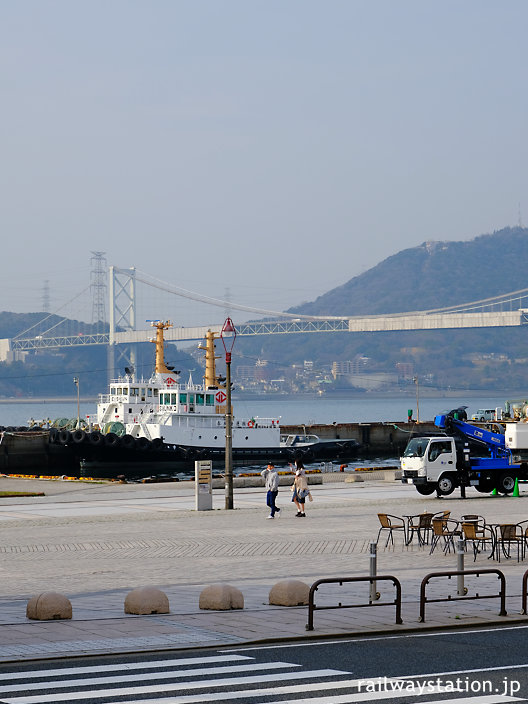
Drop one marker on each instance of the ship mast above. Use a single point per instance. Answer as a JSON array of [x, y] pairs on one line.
[[160, 326], [210, 378]]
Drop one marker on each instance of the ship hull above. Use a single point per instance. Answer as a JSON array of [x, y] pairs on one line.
[[115, 460]]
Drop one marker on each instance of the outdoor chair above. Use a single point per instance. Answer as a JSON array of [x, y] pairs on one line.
[[479, 537], [390, 523], [442, 514], [510, 534], [478, 521], [421, 525], [446, 529], [523, 525]]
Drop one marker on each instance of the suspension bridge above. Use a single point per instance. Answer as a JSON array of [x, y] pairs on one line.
[[506, 310]]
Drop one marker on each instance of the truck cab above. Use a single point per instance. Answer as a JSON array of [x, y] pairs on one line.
[[430, 464], [484, 414]]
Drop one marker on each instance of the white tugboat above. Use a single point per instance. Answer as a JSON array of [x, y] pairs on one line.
[[142, 424]]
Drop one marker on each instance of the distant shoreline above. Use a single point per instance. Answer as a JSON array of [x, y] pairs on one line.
[[53, 399], [411, 394]]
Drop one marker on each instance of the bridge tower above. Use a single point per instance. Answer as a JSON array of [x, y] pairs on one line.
[[122, 307], [98, 289]]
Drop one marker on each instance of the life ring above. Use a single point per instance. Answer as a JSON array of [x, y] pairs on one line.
[[251, 424]]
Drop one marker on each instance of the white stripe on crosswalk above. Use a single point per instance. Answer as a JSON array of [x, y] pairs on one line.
[[32, 674], [142, 677], [182, 686], [378, 696], [482, 699], [280, 691]]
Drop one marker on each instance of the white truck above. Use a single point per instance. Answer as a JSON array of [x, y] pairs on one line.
[[456, 459], [484, 414]]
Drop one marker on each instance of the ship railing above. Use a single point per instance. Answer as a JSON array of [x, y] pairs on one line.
[[210, 421]]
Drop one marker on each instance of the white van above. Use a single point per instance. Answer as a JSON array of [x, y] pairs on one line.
[[484, 414]]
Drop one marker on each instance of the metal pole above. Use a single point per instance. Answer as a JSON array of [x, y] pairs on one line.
[[76, 382], [417, 401], [229, 439], [460, 567], [373, 570]]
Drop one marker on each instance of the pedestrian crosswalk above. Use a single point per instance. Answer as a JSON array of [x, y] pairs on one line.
[[218, 678]]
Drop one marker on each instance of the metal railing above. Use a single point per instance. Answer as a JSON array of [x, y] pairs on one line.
[[341, 580], [463, 573], [524, 592]]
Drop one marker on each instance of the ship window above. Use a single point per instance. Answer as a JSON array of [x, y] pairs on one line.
[[183, 398], [119, 391], [191, 398], [130, 410], [174, 399], [199, 399], [142, 392], [134, 391], [165, 399], [125, 391], [149, 391], [209, 399], [155, 392]]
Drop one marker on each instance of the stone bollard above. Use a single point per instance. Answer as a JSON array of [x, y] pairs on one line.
[[289, 592], [48, 606], [221, 597], [146, 600]]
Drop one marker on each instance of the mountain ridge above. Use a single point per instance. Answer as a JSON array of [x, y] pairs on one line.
[[432, 275]]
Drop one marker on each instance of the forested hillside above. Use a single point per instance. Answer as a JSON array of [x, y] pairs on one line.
[[433, 275]]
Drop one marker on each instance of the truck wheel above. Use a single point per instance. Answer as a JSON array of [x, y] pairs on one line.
[[425, 489], [446, 485], [506, 483], [485, 486]]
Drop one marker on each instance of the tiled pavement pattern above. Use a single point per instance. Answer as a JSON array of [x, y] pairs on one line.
[[95, 543]]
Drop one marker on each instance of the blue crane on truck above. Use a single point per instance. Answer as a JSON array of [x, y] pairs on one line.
[[464, 455]]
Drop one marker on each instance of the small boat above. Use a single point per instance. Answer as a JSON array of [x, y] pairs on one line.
[[166, 424], [311, 447]]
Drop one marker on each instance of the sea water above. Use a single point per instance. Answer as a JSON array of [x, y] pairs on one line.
[[291, 410]]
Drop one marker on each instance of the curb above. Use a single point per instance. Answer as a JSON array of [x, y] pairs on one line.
[[311, 636]]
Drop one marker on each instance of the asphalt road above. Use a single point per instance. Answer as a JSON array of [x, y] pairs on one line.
[[487, 666]]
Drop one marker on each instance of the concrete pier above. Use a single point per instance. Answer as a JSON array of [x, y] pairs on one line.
[[388, 438]]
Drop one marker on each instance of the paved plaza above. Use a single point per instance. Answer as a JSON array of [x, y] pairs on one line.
[[96, 542]]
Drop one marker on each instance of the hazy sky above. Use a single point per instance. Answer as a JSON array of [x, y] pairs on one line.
[[272, 148]]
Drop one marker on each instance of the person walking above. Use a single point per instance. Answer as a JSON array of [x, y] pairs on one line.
[[272, 485], [300, 489]]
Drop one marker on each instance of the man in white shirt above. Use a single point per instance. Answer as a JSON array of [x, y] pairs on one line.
[[272, 486]]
